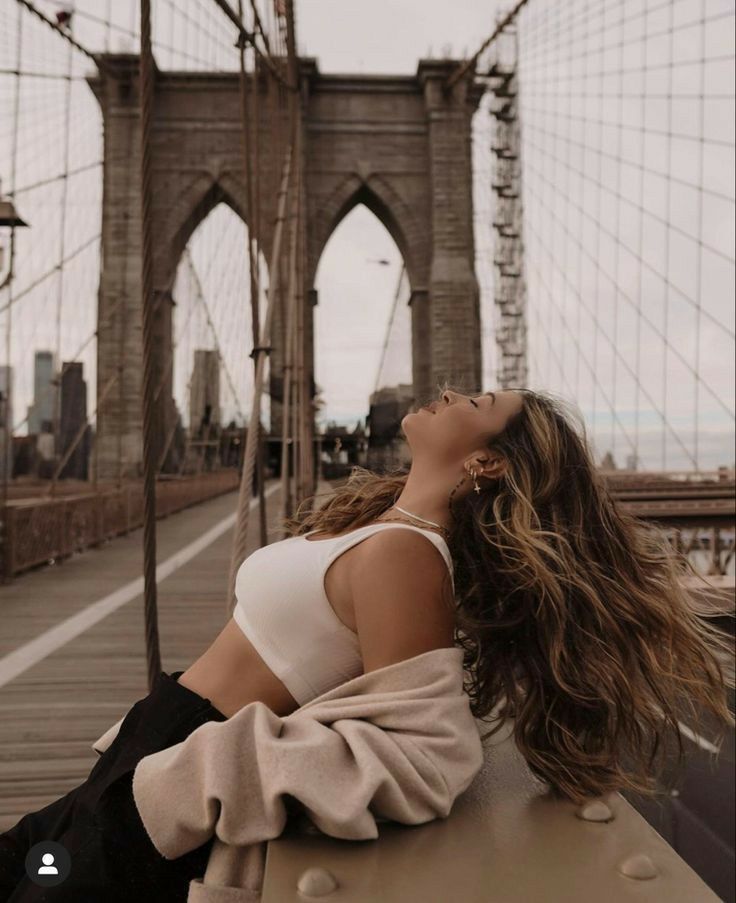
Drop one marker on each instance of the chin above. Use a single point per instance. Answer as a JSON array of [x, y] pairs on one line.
[[409, 419]]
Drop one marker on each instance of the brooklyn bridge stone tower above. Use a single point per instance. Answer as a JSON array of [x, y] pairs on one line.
[[400, 145]]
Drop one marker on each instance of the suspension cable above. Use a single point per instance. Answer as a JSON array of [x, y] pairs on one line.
[[245, 124], [250, 38], [469, 64], [246, 481], [67, 37], [146, 72]]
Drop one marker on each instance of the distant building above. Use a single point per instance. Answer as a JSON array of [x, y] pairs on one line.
[[608, 463], [388, 406], [41, 411], [45, 446], [204, 396], [73, 418], [341, 449], [386, 445]]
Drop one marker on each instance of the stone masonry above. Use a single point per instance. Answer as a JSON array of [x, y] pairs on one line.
[[398, 144]]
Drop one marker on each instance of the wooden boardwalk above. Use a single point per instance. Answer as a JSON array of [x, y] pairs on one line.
[[52, 712]]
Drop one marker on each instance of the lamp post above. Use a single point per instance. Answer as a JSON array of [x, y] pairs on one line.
[[9, 219]]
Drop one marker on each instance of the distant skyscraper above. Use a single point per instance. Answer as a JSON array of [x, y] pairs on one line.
[[632, 462], [608, 462], [6, 420], [73, 416], [41, 412], [204, 397]]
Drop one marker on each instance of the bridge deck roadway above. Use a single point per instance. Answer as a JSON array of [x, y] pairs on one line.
[[63, 682], [72, 662]]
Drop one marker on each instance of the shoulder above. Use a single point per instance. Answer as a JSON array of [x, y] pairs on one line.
[[399, 586], [396, 547]]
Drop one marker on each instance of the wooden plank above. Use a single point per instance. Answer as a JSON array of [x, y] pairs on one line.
[[51, 713]]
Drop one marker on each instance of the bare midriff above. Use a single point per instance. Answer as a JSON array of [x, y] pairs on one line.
[[231, 674]]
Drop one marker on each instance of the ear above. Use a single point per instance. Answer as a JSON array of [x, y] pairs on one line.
[[487, 463], [496, 467]]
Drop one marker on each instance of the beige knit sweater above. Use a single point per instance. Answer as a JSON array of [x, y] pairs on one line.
[[399, 743]]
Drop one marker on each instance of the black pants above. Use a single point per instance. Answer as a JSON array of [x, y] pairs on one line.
[[112, 857]]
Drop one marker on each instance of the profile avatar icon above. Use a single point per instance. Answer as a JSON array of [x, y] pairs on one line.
[[48, 863], [48, 868]]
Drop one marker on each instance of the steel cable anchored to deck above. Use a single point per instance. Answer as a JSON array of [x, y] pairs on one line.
[[146, 70]]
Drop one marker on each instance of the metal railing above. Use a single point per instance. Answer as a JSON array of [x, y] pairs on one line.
[[42, 530]]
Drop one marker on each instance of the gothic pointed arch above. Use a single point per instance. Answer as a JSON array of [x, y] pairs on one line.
[[398, 144], [379, 196], [192, 206]]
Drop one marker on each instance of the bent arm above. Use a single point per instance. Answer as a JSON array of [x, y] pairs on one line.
[[401, 743]]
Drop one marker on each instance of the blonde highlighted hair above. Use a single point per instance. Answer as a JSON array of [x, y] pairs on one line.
[[571, 612]]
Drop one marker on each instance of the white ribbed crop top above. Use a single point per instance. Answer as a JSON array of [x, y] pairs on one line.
[[283, 609]]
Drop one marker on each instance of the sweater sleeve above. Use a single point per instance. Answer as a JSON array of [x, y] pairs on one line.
[[403, 756]]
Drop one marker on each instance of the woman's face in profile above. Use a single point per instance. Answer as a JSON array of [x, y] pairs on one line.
[[455, 425]]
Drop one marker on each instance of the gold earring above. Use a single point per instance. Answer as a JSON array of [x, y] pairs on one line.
[[475, 481]]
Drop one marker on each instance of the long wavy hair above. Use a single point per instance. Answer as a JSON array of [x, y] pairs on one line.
[[571, 612]]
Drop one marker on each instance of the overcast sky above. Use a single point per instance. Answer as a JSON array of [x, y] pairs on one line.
[[628, 229]]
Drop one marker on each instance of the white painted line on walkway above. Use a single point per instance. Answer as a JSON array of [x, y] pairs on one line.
[[18, 661], [688, 732], [697, 739]]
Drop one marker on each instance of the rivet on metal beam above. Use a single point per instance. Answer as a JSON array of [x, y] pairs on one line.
[[596, 810], [638, 866], [317, 882]]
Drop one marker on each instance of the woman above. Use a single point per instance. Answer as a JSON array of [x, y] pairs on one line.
[[571, 614]]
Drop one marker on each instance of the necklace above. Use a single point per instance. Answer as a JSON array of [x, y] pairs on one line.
[[416, 517], [445, 532]]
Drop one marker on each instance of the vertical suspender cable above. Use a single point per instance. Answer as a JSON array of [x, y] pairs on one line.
[[245, 122], [240, 533], [305, 409], [153, 655], [287, 429], [255, 226], [298, 431], [255, 232], [60, 452], [273, 118], [296, 298], [293, 410]]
